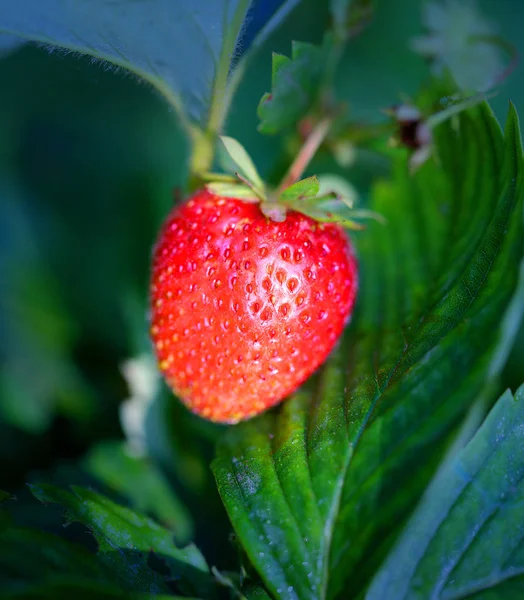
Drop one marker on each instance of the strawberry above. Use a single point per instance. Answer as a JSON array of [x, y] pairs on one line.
[[244, 308]]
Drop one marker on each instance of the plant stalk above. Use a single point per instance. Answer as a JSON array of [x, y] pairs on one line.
[[306, 153]]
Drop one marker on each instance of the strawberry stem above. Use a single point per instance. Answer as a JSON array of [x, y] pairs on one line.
[[306, 153]]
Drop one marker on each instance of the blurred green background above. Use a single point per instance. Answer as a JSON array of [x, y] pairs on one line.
[[89, 159]]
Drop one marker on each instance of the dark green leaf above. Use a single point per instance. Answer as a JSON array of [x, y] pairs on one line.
[[5, 496], [130, 543], [141, 481], [467, 534], [317, 489], [179, 47], [295, 86], [32, 559]]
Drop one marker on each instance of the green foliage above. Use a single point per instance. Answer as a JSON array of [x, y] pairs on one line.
[[466, 535], [129, 542], [139, 479], [154, 48], [295, 86], [33, 561], [313, 489], [243, 162], [321, 491]]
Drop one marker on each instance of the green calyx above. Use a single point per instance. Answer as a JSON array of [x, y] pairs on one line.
[[326, 198]]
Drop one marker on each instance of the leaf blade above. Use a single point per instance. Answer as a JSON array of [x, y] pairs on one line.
[[117, 32], [475, 501], [137, 536]]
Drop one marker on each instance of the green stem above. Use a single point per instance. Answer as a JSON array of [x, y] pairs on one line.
[[306, 153], [204, 146]]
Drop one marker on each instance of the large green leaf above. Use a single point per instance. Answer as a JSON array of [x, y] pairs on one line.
[[36, 564], [141, 553], [184, 49], [467, 535], [30, 559], [175, 45], [315, 488]]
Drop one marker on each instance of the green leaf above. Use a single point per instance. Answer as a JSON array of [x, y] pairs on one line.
[[325, 209], [31, 559], [316, 490], [334, 183], [305, 187], [296, 84], [467, 534], [180, 48], [129, 541], [461, 40], [243, 161], [5, 496], [233, 190], [141, 481]]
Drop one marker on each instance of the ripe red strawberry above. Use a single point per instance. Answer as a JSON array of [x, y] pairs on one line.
[[244, 309]]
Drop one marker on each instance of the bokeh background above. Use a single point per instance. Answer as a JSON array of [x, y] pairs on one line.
[[89, 159]]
